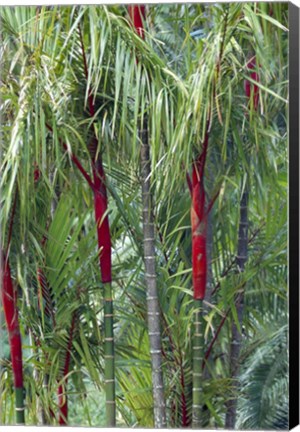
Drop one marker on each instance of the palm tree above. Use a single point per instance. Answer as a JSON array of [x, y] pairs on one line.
[[241, 260], [178, 84], [137, 14]]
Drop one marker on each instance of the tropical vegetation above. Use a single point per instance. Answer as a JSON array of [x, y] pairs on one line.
[[144, 215]]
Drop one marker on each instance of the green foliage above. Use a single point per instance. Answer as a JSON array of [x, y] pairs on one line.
[[44, 104]]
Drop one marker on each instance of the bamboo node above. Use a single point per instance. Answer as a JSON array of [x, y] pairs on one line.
[[155, 351]]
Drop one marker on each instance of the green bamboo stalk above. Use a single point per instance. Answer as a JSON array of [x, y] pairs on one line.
[[198, 355], [104, 241], [153, 309], [19, 404], [109, 368], [236, 337], [137, 15]]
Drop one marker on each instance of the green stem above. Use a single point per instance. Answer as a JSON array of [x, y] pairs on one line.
[[109, 369], [19, 395], [198, 355], [236, 336]]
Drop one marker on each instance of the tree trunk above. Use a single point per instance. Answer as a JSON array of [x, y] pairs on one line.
[[199, 273], [153, 312], [236, 340], [137, 14], [198, 355], [109, 369], [208, 296], [9, 302], [104, 245]]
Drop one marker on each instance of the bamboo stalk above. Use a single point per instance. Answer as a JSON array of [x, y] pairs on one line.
[[104, 246], [10, 309], [198, 355], [252, 93], [109, 355], [199, 219], [236, 339], [199, 273], [185, 421], [153, 310], [9, 301], [137, 14]]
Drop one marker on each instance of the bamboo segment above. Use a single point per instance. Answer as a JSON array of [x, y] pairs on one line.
[[199, 229], [109, 368], [103, 231], [19, 394], [198, 356], [9, 301], [236, 338], [137, 15], [199, 218], [153, 311], [104, 246]]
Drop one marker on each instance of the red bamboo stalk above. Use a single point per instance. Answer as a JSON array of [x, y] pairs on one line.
[[100, 193], [103, 231], [9, 301], [104, 245], [252, 90], [199, 228], [137, 14]]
